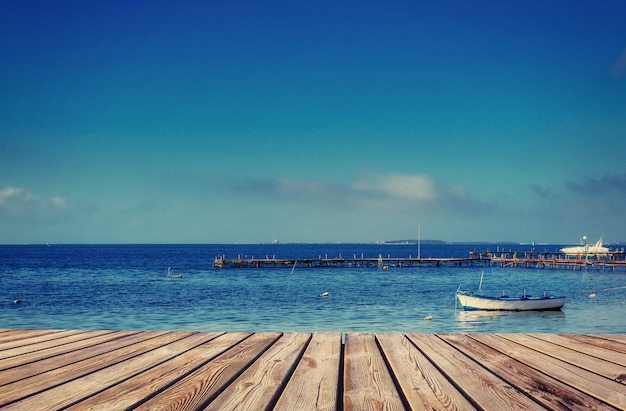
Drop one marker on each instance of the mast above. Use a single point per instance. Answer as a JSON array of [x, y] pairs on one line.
[[418, 242]]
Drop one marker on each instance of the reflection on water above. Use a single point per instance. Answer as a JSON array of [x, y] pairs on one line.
[[508, 321], [482, 315]]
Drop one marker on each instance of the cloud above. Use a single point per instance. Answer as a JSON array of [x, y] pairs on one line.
[[541, 191], [399, 190], [20, 203], [597, 198], [618, 69], [419, 188], [370, 191], [300, 191], [607, 185]]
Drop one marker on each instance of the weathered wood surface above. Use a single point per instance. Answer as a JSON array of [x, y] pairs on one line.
[[89, 370], [315, 382]]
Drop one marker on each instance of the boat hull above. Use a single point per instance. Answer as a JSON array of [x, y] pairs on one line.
[[478, 302]]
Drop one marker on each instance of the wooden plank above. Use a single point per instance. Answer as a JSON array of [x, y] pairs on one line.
[[70, 343], [485, 389], [315, 381], [602, 388], [261, 384], [66, 372], [423, 386], [597, 365], [19, 347], [146, 370], [31, 368], [613, 337], [367, 382], [21, 336], [204, 384], [599, 341], [593, 350], [547, 391], [153, 381], [78, 389]]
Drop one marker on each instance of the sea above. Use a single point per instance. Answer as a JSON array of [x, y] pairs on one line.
[[126, 287]]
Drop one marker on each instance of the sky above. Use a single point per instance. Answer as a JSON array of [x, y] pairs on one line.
[[326, 121]]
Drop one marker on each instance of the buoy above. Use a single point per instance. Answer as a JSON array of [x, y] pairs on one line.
[[17, 301], [428, 317], [324, 294], [592, 295]]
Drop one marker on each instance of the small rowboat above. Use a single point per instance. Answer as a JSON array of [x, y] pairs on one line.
[[470, 301], [506, 303]]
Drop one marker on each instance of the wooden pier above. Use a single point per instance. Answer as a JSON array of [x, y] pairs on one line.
[[556, 260], [341, 262], [106, 369]]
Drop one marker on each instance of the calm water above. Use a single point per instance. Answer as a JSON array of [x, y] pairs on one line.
[[126, 287]]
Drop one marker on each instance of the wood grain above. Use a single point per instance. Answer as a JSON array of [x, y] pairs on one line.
[[314, 384], [261, 383], [598, 341], [544, 389], [580, 379], [367, 382], [202, 386], [30, 368], [486, 389], [423, 386], [587, 348], [44, 347], [141, 370], [154, 380], [68, 372], [577, 357], [23, 337]]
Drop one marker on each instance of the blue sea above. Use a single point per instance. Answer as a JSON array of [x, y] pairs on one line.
[[126, 287]]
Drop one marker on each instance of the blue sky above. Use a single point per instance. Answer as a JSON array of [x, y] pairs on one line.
[[229, 121]]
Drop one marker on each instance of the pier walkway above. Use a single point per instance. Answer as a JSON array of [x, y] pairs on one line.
[[556, 260], [81, 370], [342, 262]]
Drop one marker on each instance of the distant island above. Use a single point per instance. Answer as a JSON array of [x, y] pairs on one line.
[[441, 242], [412, 242]]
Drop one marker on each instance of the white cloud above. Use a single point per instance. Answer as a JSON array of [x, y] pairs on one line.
[[369, 191], [14, 200], [11, 192], [59, 202], [20, 203], [400, 186]]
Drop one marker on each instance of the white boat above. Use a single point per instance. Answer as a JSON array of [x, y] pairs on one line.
[[525, 302], [586, 249], [506, 303]]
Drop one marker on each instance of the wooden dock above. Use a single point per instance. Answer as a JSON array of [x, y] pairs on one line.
[[341, 262], [80, 370], [556, 260]]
